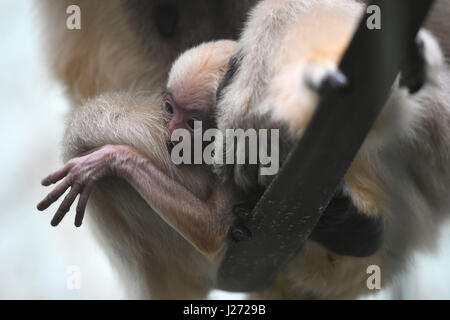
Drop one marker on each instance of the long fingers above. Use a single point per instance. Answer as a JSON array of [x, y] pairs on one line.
[[81, 207], [54, 195], [56, 176], [66, 204]]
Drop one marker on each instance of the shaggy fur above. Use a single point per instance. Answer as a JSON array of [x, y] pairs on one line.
[[114, 70], [402, 172]]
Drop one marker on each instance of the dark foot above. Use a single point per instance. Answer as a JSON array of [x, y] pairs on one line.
[[345, 231], [333, 81], [243, 214], [413, 75]]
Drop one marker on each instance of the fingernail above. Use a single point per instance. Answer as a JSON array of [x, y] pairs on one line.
[[240, 233], [242, 212]]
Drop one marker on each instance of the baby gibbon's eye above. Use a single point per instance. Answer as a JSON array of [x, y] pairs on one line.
[[168, 107]]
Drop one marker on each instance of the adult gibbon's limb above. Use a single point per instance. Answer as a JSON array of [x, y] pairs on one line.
[[190, 96], [400, 175]]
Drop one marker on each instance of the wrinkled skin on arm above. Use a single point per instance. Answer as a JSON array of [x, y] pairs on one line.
[[203, 223]]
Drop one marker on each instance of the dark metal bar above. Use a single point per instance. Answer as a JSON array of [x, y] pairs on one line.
[[293, 204]]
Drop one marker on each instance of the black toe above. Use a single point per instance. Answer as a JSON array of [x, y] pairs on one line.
[[413, 72], [335, 80], [239, 233], [242, 211]]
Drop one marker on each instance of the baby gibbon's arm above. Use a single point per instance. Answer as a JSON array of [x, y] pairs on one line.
[[202, 223]]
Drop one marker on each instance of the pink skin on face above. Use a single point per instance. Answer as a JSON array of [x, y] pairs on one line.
[[183, 115], [178, 117]]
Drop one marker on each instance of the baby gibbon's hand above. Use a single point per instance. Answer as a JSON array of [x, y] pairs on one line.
[[80, 174]]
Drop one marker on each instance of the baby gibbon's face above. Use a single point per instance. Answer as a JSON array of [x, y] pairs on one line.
[[193, 81]]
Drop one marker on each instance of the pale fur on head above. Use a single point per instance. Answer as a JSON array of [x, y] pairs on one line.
[[196, 74]]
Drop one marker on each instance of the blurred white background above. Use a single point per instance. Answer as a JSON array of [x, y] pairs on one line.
[[34, 257]]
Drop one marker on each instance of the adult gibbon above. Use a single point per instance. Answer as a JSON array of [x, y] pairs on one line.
[[115, 69]]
